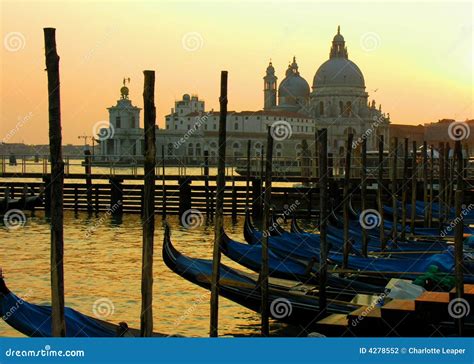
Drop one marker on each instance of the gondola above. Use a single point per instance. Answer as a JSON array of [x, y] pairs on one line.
[[287, 303], [28, 203], [35, 320], [250, 256]]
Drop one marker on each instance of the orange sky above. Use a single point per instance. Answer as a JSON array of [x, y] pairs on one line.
[[416, 57]]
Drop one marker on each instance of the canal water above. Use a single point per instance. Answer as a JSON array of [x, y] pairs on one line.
[[103, 270]]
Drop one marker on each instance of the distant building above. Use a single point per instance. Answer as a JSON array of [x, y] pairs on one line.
[[337, 101]]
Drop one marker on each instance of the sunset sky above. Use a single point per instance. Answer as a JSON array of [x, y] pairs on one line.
[[416, 57]]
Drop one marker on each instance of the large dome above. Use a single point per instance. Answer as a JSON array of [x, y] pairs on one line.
[[293, 86], [339, 71]]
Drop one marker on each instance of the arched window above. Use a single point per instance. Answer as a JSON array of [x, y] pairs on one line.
[[321, 108], [198, 149], [190, 149], [341, 108], [236, 126]]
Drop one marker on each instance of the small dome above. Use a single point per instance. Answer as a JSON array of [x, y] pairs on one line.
[[293, 86], [186, 97], [338, 72]]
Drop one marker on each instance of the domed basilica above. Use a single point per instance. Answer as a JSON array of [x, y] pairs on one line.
[[337, 100]]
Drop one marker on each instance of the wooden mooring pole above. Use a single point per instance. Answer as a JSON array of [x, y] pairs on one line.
[[413, 188], [441, 186], [432, 166], [146, 315], [263, 279], [459, 255], [57, 182], [380, 188], [163, 181], [322, 138], [404, 190], [347, 176], [247, 181], [88, 172], [425, 185], [394, 188], [363, 195], [219, 219]]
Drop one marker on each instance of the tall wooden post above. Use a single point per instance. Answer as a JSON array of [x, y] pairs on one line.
[[219, 220], [266, 226], [57, 182], [380, 187], [363, 194], [88, 172], [459, 255], [247, 181], [146, 316], [441, 186], [206, 183], [432, 166], [413, 188], [404, 190], [447, 183], [322, 138], [459, 165], [163, 181], [425, 184], [394, 189], [347, 176]]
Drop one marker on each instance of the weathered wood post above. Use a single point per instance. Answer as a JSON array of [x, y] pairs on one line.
[[234, 199], [394, 188], [459, 255], [88, 170], [363, 194], [413, 188], [304, 163], [380, 192], [116, 196], [219, 220], [57, 182], [163, 181], [347, 176], [46, 194], [322, 138], [441, 185], [460, 165], [404, 190], [425, 184], [206, 183], [184, 195], [432, 166], [263, 279], [447, 184], [146, 315], [247, 181]]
